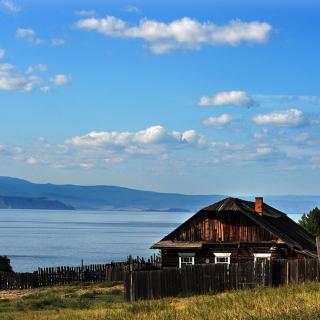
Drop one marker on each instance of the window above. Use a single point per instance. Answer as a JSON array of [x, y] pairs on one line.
[[222, 257], [186, 259], [261, 257]]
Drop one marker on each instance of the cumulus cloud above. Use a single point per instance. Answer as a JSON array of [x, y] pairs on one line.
[[287, 118], [60, 79], [57, 42], [134, 140], [218, 121], [10, 6], [2, 53], [12, 81], [185, 33], [29, 35], [228, 98]]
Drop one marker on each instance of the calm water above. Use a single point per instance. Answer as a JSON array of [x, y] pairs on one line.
[[40, 238]]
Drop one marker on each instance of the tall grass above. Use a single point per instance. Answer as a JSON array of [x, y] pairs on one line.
[[297, 301]]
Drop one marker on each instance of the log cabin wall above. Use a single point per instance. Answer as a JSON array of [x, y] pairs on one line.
[[170, 257], [229, 226]]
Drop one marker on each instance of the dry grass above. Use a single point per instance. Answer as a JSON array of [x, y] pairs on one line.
[[286, 303]]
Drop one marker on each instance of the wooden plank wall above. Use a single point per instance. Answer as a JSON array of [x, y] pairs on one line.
[[199, 279], [229, 227]]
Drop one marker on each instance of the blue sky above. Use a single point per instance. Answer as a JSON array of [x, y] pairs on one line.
[[199, 97]]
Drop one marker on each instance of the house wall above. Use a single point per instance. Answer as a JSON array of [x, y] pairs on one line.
[[170, 257], [231, 226]]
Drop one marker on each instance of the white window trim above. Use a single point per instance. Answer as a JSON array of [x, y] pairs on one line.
[[222, 255], [261, 255], [186, 254]]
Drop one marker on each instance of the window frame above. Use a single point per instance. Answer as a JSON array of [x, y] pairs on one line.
[[266, 256], [186, 255], [225, 255]]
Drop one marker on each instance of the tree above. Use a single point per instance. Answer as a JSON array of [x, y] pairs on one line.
[[311, 221], [5, 264]]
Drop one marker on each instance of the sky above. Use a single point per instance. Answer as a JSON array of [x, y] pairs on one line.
[[197, 97]]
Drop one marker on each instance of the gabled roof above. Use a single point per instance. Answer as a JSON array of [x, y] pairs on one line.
[[273, 220]]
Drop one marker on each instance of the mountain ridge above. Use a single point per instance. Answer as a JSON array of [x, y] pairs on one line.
[[107, 197]]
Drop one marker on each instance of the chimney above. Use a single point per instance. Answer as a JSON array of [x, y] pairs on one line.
[[258, 208]]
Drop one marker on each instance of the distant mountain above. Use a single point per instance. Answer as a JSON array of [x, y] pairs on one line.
[[118, 198], [32, 203], [105, 197]]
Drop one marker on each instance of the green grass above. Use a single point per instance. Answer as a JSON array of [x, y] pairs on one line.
[[98, 302]]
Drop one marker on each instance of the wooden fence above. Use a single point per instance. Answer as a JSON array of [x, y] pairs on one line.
[[200, 279], [43, 277]]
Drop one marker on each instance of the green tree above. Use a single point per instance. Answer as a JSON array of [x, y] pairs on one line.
[[311, 221]]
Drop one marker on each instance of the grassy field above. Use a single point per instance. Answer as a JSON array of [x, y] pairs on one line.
[[105, 301]]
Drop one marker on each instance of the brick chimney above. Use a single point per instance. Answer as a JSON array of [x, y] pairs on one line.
[[258, 208]]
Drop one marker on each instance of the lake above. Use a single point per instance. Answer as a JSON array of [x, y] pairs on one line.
[[45, 238]]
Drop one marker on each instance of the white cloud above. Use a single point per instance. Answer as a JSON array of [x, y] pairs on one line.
[[10, 6], [134, 141], [86, 13], [218, 121], [60, 79], [264, 150], [228, 98], [32, 161], [45, 89], [29, 35], [132, 9], [2, 53], [184, 33], [12, 81], [57, 42], [25, 33], [87, 165], [291, 117], [39, 67]]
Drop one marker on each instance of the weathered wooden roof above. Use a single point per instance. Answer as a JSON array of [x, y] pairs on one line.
[[273, 220], [169, 244]]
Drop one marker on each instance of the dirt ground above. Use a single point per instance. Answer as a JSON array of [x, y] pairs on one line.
[[14, 294]]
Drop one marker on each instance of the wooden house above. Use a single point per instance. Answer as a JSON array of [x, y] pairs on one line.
[[235, 230]]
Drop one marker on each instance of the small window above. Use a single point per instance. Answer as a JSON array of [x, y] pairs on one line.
[[222, 257], [186, 259], [261, 257]]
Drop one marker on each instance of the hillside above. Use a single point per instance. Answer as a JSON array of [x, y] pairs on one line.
[[105, 301], [32, 203], [103, 197]]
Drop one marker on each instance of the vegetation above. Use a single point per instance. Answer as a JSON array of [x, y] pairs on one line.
[[97, 302], [311, 221], [5, 264]]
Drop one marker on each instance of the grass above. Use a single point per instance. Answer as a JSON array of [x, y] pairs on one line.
[[98, 302]]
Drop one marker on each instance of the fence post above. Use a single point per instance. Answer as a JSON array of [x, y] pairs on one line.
[[131, 278], [318, 247], [82, 271]]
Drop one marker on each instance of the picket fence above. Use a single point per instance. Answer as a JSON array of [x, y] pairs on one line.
[[43, 277]]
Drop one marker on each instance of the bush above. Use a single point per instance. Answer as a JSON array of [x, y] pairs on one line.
[[5, 264]]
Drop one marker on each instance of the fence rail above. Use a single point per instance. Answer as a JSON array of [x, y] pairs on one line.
[[199, 279], [43, 277]]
